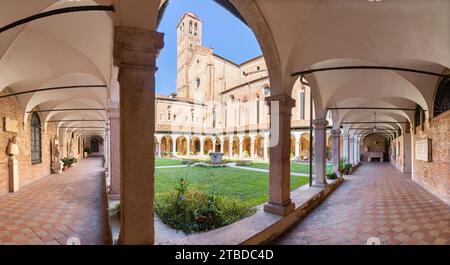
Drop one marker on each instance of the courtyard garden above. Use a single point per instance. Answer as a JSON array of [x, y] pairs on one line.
[[196, 199]]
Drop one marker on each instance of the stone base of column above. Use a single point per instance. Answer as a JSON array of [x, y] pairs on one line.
[[279, 209], [13, 166]]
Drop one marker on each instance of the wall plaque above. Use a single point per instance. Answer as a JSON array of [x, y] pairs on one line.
[[423, 150], [11, 125]]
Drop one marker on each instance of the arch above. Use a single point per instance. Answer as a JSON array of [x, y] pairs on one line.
[[235, 146], [195, 145], [181, 146], [259, 148], [304, 146], [226, 146], [246, 146], [166, 146], [208, 145], [441, 102]]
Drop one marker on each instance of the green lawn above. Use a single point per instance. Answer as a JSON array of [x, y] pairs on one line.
[[167, 162], [242, 184], [295, 167]]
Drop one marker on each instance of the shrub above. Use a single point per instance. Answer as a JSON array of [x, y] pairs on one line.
[[332, 175], [69, 161], [243, 163], [347, 168], [189, 161], [192, 210]]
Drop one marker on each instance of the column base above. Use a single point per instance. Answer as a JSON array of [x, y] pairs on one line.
[[279, 209]]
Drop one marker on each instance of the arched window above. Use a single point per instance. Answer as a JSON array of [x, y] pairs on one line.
[[190, 26], [442, 97], [35, 127], [195, 29]]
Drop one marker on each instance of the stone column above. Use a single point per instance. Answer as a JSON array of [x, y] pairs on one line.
[[345, 151], [214, 145], [280, 107], [174, 145], [336, 150], [114, 119], [356, 156], [241, 146], [320, 145], [265, 148], [202, 147], [297, 148], [188, 140], [351, 152], [221, 145], [230, 147], [135, 52], [252, 146]]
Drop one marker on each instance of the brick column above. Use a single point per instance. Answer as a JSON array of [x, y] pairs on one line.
[[114, 171], [135, 52], [320, 145], [336, 150], [280, 107]]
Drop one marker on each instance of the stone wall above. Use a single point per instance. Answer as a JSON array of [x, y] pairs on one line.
[[28, 173], [435, 175]]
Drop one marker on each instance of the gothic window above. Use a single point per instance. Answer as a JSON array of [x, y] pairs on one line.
[[197, 82], [442, 97], [302, 104], [169, 114], [195, 29], [190, 26], [36, 154]]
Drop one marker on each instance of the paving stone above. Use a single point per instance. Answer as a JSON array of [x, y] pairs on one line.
[[377, 200], [35, 215]]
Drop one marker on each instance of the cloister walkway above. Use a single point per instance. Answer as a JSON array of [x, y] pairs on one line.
[[377, 201], [57, 207]]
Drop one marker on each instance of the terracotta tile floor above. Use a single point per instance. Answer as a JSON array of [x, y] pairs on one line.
[[57, 207], [377, 201]]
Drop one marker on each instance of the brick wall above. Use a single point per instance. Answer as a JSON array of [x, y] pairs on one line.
[[28, 173], [435, 175]]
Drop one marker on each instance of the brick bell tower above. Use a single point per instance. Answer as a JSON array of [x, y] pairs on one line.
[[189, 36]]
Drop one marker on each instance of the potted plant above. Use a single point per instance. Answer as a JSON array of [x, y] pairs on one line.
[[347, 168], [86, 152], [65, 161], [332, 175]]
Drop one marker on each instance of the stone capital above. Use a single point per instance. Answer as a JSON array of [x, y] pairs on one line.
[[285, 103], [137, 48], [336, 133], [320, 124]]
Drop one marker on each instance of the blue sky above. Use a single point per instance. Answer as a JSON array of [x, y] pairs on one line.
[[222, 31]]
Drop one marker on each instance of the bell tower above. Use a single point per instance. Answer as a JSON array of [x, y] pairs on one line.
[[189, 36]]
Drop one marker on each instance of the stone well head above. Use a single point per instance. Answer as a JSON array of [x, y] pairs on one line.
[[216, 158]]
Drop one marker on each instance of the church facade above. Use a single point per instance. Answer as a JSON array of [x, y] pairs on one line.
[[219, 105]]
